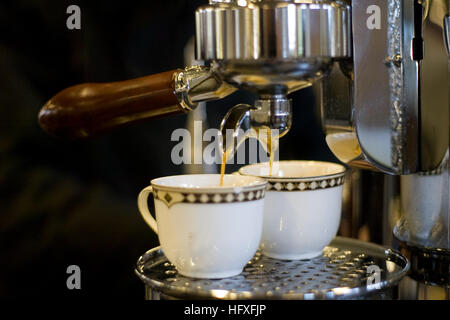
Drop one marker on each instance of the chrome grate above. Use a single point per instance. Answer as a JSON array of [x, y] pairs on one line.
[[345, 270]]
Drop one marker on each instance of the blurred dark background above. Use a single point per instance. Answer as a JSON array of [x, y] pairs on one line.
[[65, 203]]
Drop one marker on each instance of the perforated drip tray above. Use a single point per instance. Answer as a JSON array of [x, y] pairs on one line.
[[348, 268]]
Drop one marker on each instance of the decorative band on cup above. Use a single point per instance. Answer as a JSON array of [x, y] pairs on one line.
[[305, 185], [170, 198]]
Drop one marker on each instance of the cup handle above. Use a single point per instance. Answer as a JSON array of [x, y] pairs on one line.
[[143, 208]]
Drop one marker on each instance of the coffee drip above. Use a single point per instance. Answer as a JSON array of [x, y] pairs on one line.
[[264, 136]]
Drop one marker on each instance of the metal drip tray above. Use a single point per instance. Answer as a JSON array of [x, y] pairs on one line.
[[347, 269]]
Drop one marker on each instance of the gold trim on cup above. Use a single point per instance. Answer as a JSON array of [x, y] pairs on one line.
[[257, 184], [170, 198], [305, 185], [171, 195], [296, 184]]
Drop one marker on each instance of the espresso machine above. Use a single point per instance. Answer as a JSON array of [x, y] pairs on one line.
[[379, 70]]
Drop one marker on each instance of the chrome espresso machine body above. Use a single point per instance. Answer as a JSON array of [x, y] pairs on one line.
[[388, 108], [380, 72]]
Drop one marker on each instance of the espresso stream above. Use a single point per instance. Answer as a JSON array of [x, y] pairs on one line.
[[269, 148], [222, 167]]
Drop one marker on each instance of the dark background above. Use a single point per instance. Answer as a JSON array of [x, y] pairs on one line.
[[64, 203]]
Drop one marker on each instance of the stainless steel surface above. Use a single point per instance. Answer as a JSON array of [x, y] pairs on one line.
[[334, 101], [270, 116], [385, 109], [434, 89], [386, 113], [340, 273], [197, 83], [274, 112], [371, 130], [245, 121], [410, 289], [405, 40], [272, 46], [429, 266]]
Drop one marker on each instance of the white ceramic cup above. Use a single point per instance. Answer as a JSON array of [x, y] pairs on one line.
[[205, 230], [302, 207]]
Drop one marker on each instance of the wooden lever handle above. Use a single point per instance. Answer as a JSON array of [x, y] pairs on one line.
[[89, 109]]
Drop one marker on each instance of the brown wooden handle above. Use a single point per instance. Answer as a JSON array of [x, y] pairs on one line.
[[89, 109]]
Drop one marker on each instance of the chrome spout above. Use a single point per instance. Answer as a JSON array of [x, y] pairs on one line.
[[270, 115]]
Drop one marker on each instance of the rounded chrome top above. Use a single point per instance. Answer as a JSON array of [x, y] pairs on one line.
[[253, 30], [269, 44]]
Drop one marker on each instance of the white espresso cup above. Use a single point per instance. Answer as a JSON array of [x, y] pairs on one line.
[[206, 231], [302, 207]]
